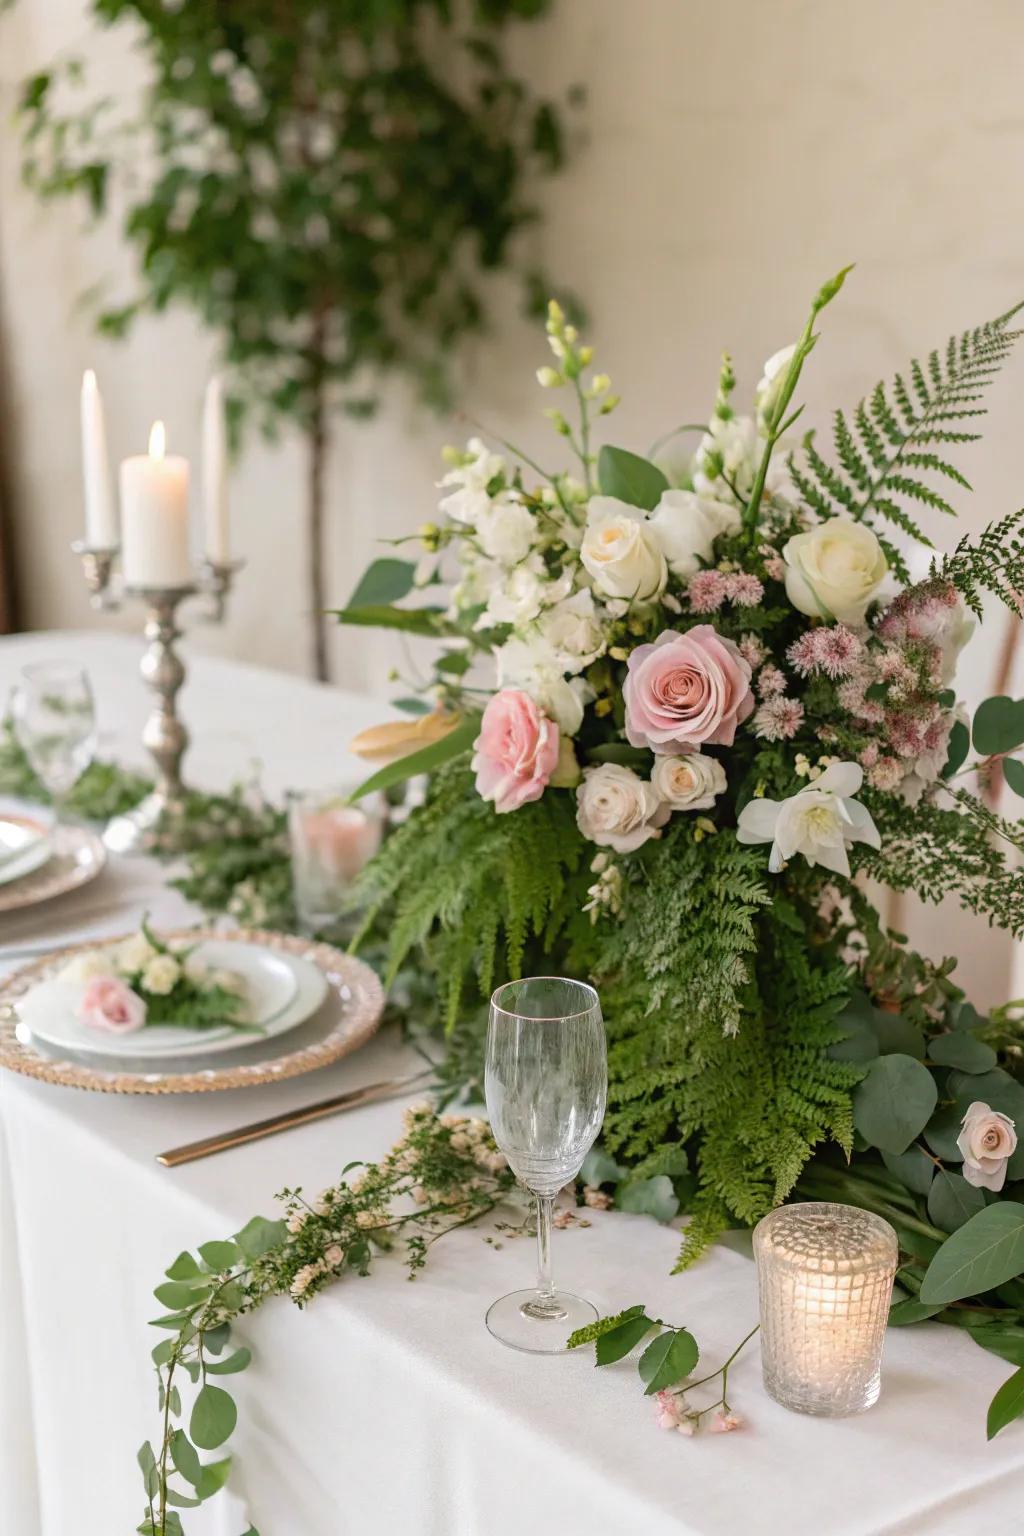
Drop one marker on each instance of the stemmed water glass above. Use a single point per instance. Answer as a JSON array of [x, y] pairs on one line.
[[55, 725], [546, 1082]]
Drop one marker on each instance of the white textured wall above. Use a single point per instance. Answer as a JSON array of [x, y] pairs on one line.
[[737, 155]]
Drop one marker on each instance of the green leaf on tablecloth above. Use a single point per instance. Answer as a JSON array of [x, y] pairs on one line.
[[985, 1252], [614, 1336], [599, 1168], [213, 1477], [961, 1050], [259, 1235], [234, 1362], [179, 1294], [185, 1457], [425, 760], [904, 1313], [1003, 1339], [667, 1360], [385, 581], [1008, 1403], [214, 1339], [952, 1201], [220, 1256], [894, 1102], [213, 1418], [998, 725], [1013, 773], [648, 1197], [630, 478], [914, 1169], [184, 1267]]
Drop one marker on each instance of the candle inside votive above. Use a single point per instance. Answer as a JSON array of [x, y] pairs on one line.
[[825, 1275], [100, 507], [154, 517], [330, 842]]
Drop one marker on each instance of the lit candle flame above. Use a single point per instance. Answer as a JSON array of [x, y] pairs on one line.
[[157, 440]]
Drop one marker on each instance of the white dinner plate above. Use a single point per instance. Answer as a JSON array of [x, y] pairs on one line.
[[24, 845], [281, 991]]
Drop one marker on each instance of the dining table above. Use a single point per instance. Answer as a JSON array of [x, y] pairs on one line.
[[385, 1406]]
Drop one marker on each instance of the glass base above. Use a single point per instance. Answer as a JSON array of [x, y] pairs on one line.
[[522, 1321]]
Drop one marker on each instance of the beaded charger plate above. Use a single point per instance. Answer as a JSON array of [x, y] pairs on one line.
[[349, 1015]]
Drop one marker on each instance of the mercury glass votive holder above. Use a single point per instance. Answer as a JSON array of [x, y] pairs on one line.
[[825, 1274]]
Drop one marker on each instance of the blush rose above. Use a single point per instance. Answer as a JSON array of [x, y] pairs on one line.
[[516, 752], [686, 691], [110, 1005], [988, 1141]]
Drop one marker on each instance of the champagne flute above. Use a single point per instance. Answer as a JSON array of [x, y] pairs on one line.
[[55, 725], [546, 1082]]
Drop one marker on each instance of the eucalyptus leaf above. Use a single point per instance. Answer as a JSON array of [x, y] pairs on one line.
[[959, 746], [230, 1364], [942, 1131], [998, 725], [182, 1500], [1013, 773], [959, 1049], [259, 1235], [905, 1313], [413, 621], [220, 1255], [1007, 1405], [983, 1253], [897, 1035], [914, 1169], [184, 1267], [667, 1360], [648, 1197], [599, 1168], [213, 1418], [214, 1339], [617, 1342], [952, 1201], [385, 581], [413, 706], [425, 760], [859, 1041], [180, 1295], [630, 478], [894, 1102]]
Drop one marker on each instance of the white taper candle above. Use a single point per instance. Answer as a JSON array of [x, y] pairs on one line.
[[100, 507], [215, 474]]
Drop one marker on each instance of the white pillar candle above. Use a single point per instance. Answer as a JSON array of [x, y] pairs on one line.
[[100, 507], [154, 518], [215, 474]]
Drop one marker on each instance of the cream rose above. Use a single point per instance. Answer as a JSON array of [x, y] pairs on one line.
[[988, 1141], [834, 570], [686, 526], [161, 975], [617, 809], [688, 783], [506, 530], [621, 551]]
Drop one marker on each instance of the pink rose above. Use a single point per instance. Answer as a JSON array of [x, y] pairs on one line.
[[516, 752], [110, 1004], [687, 691]]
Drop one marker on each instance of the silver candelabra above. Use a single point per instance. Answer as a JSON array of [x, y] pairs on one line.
[[158, 821]]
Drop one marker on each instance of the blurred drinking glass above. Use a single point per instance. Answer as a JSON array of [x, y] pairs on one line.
[[55, 725]]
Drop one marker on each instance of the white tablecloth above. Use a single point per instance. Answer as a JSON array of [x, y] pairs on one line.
[[386, 1406]]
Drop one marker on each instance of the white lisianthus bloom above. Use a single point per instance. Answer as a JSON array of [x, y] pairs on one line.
[[86, 967], [688, 783], [834, 570], [620, 551], [161, 975], [767, 392], [467, 484], [505, 529], [573, 631], [134, 954], [532, 665], [686, 526], [820, 821], [517, 596], [615, 808]]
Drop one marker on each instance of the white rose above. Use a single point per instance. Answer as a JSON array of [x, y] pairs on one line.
[[161, 975], [86, 967], [467, 484], [506, 530], [988, 1141], [688, 783], [134, 954], [617, 809], [686, 526], [533, 666], [834, 570], [767, 392], [620, 551], [820, 821], [573, 631]]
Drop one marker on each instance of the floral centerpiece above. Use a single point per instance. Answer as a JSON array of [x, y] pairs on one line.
[[684, 705]]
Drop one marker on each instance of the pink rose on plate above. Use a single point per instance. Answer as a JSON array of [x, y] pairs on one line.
[[109, 1004], [516, 752], [687, 691]]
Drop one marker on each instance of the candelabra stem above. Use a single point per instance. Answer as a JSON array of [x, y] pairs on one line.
[[159, 821]]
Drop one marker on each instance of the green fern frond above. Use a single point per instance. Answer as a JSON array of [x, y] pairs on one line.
[[881, 448], [992, 562]]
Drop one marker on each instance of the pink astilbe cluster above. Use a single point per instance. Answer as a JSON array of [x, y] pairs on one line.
[[752, 650], [708, 590], [778, 719], [836, 651], [771, 681]]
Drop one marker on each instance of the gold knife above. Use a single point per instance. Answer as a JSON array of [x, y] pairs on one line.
[[391, 1089]]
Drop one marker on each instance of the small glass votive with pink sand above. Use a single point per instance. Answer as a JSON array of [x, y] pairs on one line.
[[331, 841]]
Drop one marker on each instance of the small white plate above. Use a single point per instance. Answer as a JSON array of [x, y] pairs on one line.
[[24, 846], [281, 990]]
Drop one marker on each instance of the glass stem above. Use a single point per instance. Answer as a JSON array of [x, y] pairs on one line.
[[545, 1284]]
